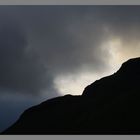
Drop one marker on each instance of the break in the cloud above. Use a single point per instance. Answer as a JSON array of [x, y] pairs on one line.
[[59, 41]]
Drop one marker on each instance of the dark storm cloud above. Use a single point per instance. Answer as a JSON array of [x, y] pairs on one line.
[[122, 21], [66, 40], [20, 70], [53, 40]]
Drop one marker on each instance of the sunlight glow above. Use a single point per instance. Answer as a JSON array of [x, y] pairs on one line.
[[121, 51], [75, 84]]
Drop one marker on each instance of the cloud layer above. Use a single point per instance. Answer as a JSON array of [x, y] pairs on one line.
[[40, 43]]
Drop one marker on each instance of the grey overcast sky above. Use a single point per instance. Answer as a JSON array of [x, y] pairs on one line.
[[48, 51]]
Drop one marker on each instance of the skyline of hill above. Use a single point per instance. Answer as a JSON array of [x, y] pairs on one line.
[[109, 105]]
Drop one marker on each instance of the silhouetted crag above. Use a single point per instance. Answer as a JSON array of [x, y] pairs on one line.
[[110, 105]]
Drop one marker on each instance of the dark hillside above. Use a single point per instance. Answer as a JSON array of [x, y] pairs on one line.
[[108, 106]]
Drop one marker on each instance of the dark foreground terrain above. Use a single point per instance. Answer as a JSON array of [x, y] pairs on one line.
[[110, 105]]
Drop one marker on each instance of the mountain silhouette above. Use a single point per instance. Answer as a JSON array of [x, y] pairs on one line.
[[110, 105]]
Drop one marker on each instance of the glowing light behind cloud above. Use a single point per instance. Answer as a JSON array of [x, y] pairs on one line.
[[75, 83], [121, 51]]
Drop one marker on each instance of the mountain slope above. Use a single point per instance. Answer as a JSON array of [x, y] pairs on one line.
[[107, 106]]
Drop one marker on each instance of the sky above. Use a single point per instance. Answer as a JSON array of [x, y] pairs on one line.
[[50, 51]]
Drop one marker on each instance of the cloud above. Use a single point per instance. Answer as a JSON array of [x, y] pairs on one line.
[[43, 42], [20, 70]]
